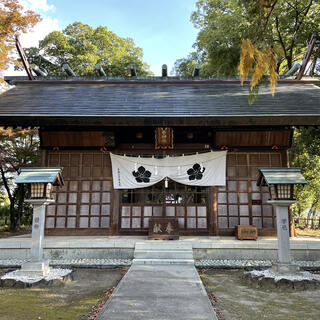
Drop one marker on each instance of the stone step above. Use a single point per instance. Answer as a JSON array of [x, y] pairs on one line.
[[163, 254], [164, 261], [163, 245]]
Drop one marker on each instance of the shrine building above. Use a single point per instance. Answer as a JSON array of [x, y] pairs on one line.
[[170, 138]]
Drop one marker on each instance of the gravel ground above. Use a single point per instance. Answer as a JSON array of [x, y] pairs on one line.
[[236, 299], [96, 263], [84, 263], [238, 264]]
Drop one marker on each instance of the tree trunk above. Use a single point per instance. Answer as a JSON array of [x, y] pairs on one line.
[[289, 62], [310, 212], [299, 216], [314, 217], [20, 204], [13, 221]]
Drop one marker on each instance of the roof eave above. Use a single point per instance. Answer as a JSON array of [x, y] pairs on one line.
[[161, 120]]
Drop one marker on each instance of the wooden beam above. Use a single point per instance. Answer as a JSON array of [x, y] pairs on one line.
[[133, 71], [214, 231], [196, 71], [18, 81], [67, 69], [100, 70], [307, 56], [114, 221], [24, 59]]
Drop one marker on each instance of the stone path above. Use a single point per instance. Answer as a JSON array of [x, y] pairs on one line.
[[159, 292]]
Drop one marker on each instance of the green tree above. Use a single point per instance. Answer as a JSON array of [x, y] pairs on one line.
[[82, 47], [185, 66], [223, 24], [18, 148], [305, 153], [4, 208]]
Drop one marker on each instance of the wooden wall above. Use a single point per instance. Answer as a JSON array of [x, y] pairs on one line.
[[253, 138], [84, 204], [72, 138], [241, 201], [87, 204], [213, 137]]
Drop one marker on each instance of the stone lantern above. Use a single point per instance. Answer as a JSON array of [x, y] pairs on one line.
[[280, 182], [40, 183]]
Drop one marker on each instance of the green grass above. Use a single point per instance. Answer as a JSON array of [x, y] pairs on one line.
[[25, 304], [72, 301]]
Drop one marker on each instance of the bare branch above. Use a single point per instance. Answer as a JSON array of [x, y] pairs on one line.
[[270, 13]]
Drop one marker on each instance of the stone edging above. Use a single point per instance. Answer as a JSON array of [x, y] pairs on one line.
[[96, 263]]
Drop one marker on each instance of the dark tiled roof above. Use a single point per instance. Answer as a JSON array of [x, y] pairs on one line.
[[158, 100]]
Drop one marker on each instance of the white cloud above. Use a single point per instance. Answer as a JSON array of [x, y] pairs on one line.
[[37, 5], [41, 29]]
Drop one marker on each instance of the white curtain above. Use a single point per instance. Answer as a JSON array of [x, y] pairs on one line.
[[205, 169]]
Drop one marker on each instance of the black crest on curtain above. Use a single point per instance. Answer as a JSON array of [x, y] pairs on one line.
[[142, 175], [196, 172]]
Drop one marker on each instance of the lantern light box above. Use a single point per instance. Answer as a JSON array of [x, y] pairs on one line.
[[280, 181], [40, 181]]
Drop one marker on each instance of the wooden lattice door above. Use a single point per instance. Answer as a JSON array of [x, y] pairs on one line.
[[188, 204]]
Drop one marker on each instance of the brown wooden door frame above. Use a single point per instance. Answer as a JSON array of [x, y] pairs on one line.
[[164, 206]]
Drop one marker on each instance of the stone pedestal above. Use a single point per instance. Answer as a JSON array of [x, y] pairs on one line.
[[36, 266], [34, 269], [284, 265], [285, 269]]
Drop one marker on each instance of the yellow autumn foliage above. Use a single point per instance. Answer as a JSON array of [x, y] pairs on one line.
[[256, 63]]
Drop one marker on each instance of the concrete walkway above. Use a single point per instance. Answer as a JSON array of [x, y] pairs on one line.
[[159, 292]]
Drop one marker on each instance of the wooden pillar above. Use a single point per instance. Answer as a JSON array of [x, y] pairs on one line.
[[44, 158], [114, 223], [213, 213], [285, 158]]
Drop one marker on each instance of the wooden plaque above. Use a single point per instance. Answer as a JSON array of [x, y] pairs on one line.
[[246, 233], [164, 138], [163, 229]]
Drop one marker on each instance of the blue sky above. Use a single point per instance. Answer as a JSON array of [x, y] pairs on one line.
[[161, 27]]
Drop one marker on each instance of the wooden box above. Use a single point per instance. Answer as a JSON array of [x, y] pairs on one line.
[[163, 229], [246, 232]]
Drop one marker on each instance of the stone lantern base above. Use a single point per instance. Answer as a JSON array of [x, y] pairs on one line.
[[282, 278], [285, 269], [35, 274], [34, 269]]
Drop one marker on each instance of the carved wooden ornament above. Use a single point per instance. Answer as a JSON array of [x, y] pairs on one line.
[[164, 138]]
